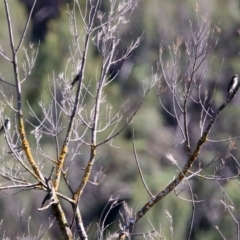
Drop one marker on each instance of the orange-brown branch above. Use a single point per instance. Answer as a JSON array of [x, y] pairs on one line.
[[27, 150], [78, 193], [60, 165]]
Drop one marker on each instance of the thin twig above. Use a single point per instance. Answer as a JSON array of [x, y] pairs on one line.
[[139, 168]]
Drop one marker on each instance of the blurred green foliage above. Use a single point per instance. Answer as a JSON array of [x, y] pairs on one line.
[[161, 22]]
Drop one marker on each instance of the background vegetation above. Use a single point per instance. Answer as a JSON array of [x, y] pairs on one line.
[[156, 133]]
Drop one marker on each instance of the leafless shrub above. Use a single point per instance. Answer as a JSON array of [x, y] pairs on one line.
[[181, 81]]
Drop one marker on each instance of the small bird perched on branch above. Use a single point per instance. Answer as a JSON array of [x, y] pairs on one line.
[[78, 77], [233, 84], [6, 126]]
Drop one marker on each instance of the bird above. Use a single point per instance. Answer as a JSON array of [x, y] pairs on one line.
[[233, 84], [78, 76], [49, 198], [6, 126]]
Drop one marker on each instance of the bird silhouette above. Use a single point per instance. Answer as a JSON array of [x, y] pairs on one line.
[[232, 85]]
